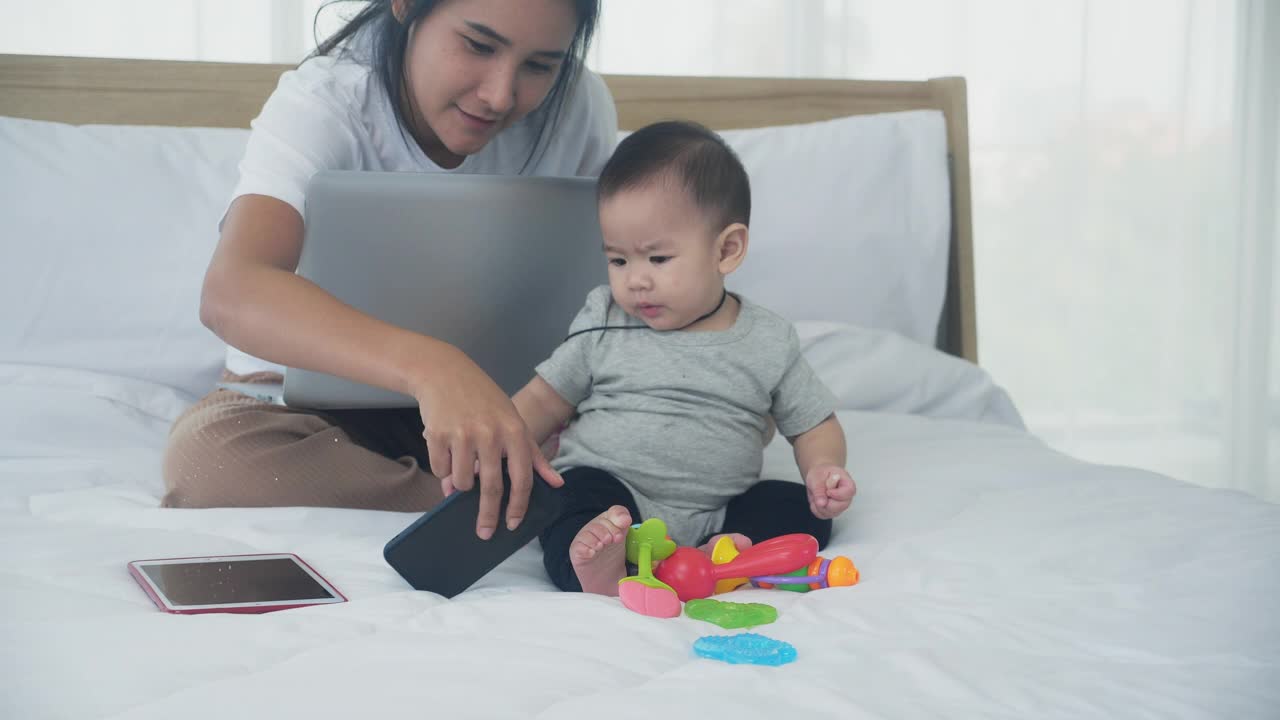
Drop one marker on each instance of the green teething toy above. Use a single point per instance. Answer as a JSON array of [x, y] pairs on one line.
[[647, 543], [653, 533], [730, 615]]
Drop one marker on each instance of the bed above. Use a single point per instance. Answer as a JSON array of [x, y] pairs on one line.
[[999, 577]]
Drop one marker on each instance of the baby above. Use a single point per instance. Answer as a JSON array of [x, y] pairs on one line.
[[671, 381]]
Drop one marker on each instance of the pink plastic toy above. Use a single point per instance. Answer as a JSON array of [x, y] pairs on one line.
[[648, 543]]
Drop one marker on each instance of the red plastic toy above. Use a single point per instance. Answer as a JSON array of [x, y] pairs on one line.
[[789, 562]]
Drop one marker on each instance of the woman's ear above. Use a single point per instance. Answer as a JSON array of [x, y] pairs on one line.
[[732, 244], [399, 8]]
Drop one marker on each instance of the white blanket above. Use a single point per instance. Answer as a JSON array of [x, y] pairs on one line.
[[999, 579]]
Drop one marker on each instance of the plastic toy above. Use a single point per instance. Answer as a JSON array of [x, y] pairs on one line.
[[694, 575], [818, 574], [731, 615], [747, 648], [789, 562], [643, 593]]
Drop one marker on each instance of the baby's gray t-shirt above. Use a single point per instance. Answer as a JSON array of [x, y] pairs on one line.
[[678, 416]]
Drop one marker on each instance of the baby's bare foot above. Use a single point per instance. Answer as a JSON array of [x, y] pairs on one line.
[[598, 553]]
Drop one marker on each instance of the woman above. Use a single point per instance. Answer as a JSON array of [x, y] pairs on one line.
[[472, 86]]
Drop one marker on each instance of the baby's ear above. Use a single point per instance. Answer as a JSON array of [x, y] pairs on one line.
[[732, 243]]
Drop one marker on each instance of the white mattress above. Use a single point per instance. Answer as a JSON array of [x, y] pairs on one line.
[[1000, 579]]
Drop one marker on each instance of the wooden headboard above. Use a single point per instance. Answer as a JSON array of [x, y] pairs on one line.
[[162, 92]]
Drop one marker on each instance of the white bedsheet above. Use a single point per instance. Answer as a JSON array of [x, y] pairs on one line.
[[1000, 579]]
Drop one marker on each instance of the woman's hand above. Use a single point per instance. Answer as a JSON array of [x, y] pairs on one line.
[[470, 427]]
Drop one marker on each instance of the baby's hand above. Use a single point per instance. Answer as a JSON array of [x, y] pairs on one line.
[[831, 489]]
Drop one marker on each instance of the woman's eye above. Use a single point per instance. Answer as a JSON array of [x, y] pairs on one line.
[[478, 48], [659, 259], [617, 262]]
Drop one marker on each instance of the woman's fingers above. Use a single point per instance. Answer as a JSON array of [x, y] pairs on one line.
[[471, 426], [542, 466], [520, 452], [462, 456], [490, 487], [438, 454]]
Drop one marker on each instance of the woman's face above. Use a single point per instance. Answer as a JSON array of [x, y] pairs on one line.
[[475, 67]]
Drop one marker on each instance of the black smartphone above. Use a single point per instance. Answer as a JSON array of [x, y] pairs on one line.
[[440, 551]]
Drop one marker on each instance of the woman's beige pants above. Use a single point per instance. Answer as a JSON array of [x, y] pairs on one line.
[[231, 450]]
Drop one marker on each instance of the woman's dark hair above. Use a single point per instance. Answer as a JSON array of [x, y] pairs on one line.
[[389, 38], [690, 154]]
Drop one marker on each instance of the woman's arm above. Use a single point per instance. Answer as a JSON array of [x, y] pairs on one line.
[[254, 301]]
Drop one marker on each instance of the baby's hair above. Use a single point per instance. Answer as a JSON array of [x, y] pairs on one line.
[[689, 154]]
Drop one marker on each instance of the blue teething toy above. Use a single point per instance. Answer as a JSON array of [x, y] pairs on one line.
[[749, 648]]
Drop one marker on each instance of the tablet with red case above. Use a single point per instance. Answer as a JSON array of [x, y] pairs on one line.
[[233, 583]]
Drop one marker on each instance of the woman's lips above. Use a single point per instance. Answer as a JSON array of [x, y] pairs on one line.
[[476, 121]]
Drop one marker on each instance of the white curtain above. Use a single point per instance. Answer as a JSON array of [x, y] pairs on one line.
[[1124, 159]]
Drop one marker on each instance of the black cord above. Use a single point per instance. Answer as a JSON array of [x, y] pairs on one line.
[[723, 294]]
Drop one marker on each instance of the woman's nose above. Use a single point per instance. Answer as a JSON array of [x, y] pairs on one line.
[[498, 90]]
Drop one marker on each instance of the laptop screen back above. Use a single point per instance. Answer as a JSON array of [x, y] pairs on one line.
[[497, 266]]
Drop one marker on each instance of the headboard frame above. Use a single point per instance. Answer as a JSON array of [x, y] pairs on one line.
[[165, 92]]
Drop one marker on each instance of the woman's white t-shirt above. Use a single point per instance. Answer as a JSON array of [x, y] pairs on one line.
[[332, 114]]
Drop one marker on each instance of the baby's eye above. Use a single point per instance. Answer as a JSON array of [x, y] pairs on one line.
[[617, 262], [478, 48], [659, 259]]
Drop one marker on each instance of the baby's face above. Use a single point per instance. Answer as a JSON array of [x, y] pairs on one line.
[[664, 265]]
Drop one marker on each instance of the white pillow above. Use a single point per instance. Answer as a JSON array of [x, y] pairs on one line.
[[107, 233], [881, 371], [850, 220]]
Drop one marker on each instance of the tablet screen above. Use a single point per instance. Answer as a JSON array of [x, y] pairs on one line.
[[226, 581]]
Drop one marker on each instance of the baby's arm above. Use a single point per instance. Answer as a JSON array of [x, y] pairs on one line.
[[820, 454], [542, 408]]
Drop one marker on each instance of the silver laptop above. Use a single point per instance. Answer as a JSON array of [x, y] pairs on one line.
[[497, 266]]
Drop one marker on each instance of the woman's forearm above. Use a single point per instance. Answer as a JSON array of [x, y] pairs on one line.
[[253, 299], [283, 318]]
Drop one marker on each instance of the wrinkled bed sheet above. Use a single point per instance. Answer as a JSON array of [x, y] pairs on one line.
[[1000, 579]]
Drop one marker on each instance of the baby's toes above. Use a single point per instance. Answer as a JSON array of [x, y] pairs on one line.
[[604, 529], [595, 534], [581, 550], [616, 520]]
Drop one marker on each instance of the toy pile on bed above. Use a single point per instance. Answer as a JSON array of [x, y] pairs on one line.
[[668, 575]]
